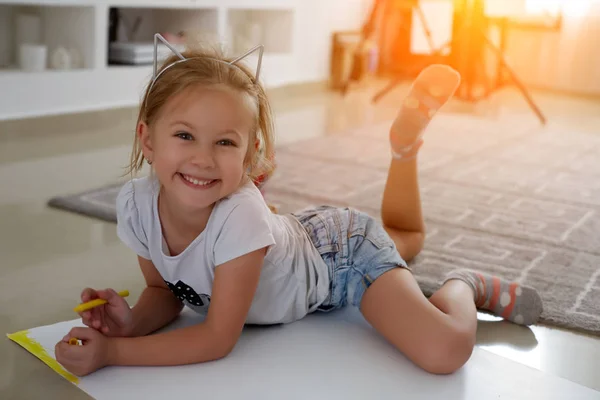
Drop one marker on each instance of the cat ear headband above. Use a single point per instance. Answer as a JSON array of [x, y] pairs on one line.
[[156, 74]]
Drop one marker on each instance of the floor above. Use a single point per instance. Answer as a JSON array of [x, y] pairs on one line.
[[49, 256]]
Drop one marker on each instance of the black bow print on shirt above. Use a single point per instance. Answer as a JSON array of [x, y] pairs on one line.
[[186, 293]]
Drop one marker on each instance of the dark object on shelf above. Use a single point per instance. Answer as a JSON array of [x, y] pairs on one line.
[[113, 28], [121, 53], [116, 19], [113, 24]]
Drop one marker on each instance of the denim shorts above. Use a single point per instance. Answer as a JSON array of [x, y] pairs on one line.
[[355, 247]]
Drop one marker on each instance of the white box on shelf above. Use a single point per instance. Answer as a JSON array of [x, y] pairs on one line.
[[138, 53]]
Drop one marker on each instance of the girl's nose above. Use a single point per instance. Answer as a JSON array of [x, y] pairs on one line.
[[203, 157]]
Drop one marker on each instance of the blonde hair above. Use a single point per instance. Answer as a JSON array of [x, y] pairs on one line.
[[202, 67]]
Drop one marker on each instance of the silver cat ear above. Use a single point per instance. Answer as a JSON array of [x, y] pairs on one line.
[[159, 38], [260, 49]]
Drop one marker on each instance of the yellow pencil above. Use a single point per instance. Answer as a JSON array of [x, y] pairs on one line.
[[74, 341], [97, 302]]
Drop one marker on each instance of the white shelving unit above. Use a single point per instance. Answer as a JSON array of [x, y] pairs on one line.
[[83, 25]]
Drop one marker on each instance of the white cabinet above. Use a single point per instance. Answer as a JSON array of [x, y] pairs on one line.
[[296, 35], [81, 27]]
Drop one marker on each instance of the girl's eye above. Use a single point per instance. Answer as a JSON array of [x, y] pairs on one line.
[[184, 135], [226, 142]]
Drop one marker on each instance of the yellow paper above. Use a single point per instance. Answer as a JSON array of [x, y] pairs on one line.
[[37, 350]]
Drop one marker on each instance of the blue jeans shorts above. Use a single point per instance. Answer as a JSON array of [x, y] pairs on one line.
[[355, 247]]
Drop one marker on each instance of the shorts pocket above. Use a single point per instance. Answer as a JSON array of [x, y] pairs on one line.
[[379, 237], [369, 229], [328, 248]]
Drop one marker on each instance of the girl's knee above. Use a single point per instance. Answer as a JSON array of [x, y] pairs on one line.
[[409, 244], [448, 351]]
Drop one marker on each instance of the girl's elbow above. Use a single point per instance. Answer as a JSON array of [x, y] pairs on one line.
[[223, 347], [228, 346], [214, 353], [224, 353], [222, 341]]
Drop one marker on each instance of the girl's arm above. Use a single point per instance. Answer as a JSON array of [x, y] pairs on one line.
[[233, 290], [157, 305]]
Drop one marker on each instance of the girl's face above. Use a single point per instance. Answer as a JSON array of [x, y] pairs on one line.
[[198, 144]]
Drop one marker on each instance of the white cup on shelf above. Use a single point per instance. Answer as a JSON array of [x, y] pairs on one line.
[[33, 57]]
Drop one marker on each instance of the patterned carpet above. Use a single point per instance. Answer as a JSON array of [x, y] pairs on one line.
[[511, 198]]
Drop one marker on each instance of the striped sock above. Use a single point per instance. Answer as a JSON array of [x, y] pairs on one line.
[[434, 86], [509, 300]]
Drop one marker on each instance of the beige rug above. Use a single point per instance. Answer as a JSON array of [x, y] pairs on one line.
[[505, 197], [510, 198]]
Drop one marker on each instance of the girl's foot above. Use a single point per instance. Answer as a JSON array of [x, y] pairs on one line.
[[509, 300], [434, 86]]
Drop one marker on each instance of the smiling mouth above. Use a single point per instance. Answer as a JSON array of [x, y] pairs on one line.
[[197, 182]]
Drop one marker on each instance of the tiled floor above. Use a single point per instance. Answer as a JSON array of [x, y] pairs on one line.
[[48, 256]]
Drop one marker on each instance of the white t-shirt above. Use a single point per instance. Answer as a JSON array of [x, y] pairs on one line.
[[294, 279]]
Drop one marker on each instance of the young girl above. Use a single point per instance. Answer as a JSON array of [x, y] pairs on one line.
[[205, 238]]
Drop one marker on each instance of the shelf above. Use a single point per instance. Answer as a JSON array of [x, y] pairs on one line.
[[270, 4], [53, 92], [69, 27], [198, 24], [262, 5], [50, 93], [15, 72], [153, 20], [114, 3], [97, 84], [46, 3], [162, 4], [125, 67]]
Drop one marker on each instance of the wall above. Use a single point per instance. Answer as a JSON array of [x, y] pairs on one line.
[[568, 60], [317, 20]]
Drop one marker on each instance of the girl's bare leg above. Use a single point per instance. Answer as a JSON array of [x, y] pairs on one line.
[[438, 334], [401, 207]]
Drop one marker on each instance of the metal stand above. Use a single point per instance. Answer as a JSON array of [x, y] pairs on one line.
[[467, 53], [369, 27], [434, 52]]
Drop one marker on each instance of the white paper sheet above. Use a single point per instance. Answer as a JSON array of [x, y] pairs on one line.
[[329, 356]]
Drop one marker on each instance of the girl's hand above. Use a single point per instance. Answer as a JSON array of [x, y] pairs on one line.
[[113, 318], [83, 359]]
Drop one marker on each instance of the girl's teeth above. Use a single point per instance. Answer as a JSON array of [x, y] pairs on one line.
[[196, 181]]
